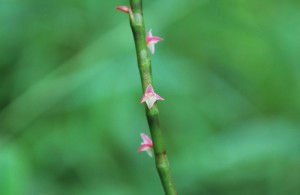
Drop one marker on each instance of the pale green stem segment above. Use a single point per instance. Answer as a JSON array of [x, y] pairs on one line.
[[144, 64]]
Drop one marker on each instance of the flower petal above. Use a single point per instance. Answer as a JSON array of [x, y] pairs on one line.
[[149, 35], [143, 99], [150, 102], [151, 46], [149, 152], [155, 39], [149, 89], [157, 97], [146, 139], [145, 147]]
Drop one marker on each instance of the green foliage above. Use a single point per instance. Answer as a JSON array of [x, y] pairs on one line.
[[70, 116]]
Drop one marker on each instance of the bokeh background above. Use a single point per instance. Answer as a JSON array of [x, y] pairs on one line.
[[70, 117]]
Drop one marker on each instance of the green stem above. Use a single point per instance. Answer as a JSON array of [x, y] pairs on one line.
[[144, 64]]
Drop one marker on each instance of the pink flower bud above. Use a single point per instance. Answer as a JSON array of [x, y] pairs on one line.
[[125, 9]]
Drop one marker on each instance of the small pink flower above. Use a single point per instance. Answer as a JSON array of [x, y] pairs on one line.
[[150, 97], [146, 145], [125, 9], [152, 40]]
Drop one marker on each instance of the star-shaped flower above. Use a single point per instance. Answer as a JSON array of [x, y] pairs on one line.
[[152, 40], [150, 97], [146, 145]]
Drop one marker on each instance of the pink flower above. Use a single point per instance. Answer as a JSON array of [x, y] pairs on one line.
[[146, 145], [152, 40], [150, 97], [125, 9]]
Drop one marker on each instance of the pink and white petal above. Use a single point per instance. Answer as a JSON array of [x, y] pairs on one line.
[[144, 147], [148, 39], [125, 9], [143, 99], [151, 46], [158, 97], [155, 39], [149, 35], [146, 139]]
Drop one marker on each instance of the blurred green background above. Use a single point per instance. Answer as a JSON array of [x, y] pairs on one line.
[[70, 117]]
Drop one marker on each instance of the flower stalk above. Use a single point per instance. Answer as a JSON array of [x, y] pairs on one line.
[[144, 65]]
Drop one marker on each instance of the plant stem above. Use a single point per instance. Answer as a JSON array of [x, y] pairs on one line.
[[144, 64]]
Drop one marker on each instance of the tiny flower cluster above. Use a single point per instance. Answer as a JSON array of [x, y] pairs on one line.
[[149, 97]]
